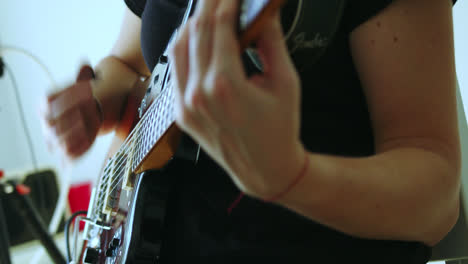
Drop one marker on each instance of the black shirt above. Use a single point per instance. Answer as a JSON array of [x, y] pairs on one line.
[[332, 97]]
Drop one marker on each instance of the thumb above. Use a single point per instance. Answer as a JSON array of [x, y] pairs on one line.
[[86, 73], [272, 49]]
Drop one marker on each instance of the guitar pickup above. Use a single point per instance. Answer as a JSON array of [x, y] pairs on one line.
[[128, 180], [129, 176], [114, 185]]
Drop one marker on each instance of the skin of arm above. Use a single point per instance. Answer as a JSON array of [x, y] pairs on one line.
[[410, 189], [75, 115], [404, 57], [120, 74]]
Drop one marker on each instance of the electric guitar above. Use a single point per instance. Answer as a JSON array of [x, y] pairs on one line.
[[125, 217]]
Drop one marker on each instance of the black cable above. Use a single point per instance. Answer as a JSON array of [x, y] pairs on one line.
[[2, 66], [67, 231], [23, 119]]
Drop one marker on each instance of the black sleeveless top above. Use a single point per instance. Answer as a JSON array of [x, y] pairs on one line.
[[199, 228]]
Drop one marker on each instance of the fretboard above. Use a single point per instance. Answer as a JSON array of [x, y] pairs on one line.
[[156, 121], [159, 117]]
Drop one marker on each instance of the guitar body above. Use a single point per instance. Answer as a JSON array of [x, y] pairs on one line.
[[135, 235], [127, 209]]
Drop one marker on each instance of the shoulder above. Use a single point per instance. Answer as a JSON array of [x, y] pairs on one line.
[[360, 11], [404, 57]]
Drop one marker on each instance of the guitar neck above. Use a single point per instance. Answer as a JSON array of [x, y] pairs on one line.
[[155, 133], [155, 123], [253, 16], [159, 117]]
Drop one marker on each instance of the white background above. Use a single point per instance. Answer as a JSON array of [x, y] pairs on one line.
[[65, 33], [62, 34]]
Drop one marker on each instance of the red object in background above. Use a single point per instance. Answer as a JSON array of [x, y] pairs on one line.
[[78, 198], [1, 174], [23, 189]]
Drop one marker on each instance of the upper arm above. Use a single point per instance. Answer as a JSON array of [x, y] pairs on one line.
[[405, 60], [128, 45]]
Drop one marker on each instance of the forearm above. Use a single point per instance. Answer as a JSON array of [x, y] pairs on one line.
[[115, 81], [404, 194]]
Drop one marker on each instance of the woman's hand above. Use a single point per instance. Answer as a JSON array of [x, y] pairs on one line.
[[250, 126], [72, 117]]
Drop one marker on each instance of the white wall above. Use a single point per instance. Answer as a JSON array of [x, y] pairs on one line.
[[460, 18], [62, 34]]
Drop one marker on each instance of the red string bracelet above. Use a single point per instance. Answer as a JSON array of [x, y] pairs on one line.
[[301, 175], [235, 203], [293, 183]]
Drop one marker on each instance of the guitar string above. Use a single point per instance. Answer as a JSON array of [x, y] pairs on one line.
[[107, 171], [120, 161], [125, 146], [170, 88], [184, 21], [119, 158], [123, 149], [108, 186], [119, 176], [115, 183], [123, 158]]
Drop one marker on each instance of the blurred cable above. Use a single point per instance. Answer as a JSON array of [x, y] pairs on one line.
[[22, 116], [2, 67], [64, 181], [32, 57]]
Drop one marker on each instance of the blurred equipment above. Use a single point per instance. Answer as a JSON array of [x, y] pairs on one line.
[[44, 194], [4, 244], [32, 207], [45, 197]]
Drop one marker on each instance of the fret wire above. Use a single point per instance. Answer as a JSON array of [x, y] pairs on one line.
[[152, 110], [117, 180], [103, 188], [134, 165], [122, 149], [167, 86]]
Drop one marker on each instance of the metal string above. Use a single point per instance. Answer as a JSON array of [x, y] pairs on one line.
[[121, 162]]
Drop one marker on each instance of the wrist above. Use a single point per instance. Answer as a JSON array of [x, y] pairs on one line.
[[299, 168]]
